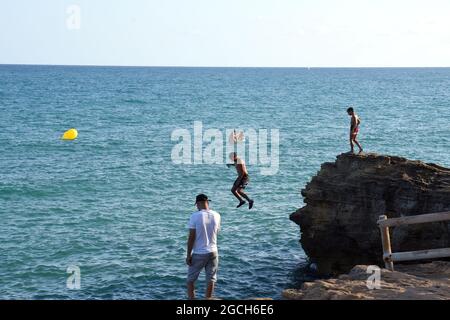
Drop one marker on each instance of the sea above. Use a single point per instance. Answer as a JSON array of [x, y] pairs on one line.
[[105, 216]]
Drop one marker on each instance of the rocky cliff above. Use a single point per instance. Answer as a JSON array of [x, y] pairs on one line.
[[344, 200]]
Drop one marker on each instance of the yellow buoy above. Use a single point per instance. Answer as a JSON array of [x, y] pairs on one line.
[[70, 134]]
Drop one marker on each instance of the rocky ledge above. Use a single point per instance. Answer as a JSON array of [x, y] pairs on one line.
[[345, 199], [409, 282]]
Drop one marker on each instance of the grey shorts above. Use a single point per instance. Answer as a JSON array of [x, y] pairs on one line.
[[209, 262]]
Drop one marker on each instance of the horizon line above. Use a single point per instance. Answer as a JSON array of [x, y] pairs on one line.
[[223, 67]]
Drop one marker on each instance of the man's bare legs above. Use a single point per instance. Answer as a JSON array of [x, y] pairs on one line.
[[244, 195], [352, 144], [235, 192], [191, 290], [209, 290], [359, 146], [239, 194]]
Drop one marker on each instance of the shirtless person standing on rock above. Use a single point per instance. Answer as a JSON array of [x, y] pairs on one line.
[[354, 129], [241, 182]]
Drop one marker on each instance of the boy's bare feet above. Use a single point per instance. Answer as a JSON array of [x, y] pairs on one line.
[[250, 204], [240, 204]]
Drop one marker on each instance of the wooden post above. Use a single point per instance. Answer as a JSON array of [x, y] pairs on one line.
[[386, 242]]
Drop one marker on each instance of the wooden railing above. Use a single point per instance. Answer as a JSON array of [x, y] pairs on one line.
[[389, 257]]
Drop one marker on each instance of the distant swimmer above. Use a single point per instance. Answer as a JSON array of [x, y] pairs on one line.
[[241, 182], [354, 129]]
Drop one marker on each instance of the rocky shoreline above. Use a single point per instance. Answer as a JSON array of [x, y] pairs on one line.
[[344, 200], [430, 281], [340, 235]]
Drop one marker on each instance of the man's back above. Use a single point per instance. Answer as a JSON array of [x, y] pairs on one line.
[[206, 224]]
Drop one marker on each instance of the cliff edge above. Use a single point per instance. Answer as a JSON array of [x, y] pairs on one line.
[[344, 200]]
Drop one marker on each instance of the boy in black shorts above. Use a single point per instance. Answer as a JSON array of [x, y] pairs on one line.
[[241, 182]]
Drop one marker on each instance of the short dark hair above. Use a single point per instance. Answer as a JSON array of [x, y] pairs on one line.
[[201, 198], [350, 110]]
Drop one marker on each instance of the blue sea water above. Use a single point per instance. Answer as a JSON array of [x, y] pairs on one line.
[[113, 203]]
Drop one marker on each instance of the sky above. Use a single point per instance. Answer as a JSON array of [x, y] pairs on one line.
[[228, 33]]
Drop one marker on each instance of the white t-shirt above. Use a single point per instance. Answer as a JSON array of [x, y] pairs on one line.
[[207, 225]]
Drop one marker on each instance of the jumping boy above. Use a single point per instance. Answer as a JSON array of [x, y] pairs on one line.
[[241, 182]]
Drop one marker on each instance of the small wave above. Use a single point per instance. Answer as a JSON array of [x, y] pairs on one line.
[[134, 101]]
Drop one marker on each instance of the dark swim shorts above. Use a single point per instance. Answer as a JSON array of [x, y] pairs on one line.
[[242, 182]]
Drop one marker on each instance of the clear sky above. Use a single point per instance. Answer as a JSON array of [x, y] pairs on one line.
[[272, 33]]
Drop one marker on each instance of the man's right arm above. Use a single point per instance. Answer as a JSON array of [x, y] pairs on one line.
[[190, 246]]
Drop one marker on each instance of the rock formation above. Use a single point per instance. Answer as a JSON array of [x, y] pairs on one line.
[[338, 224], [409, 282]]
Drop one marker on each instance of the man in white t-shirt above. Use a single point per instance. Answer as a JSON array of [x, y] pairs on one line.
[[202, 252]]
